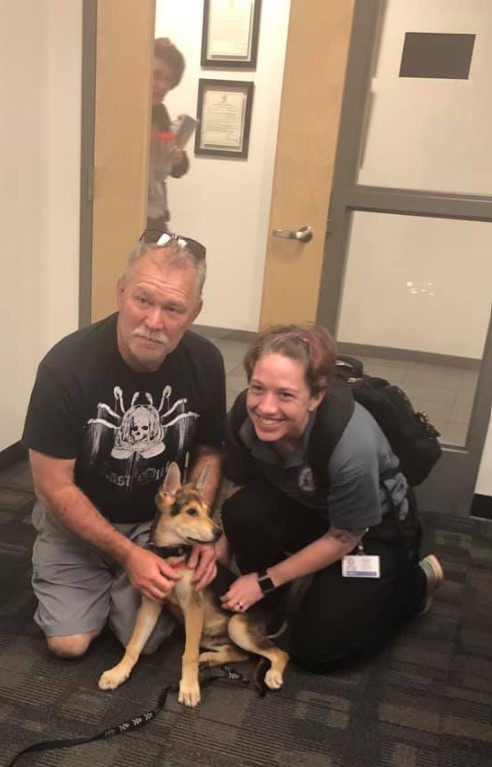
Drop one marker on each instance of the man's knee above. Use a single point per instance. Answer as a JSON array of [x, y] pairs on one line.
[[72, 646]]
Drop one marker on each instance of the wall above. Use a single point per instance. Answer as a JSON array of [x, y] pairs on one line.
[[226, 203], [40, 58]]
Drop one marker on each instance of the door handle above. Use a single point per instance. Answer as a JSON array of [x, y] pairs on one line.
[[303, 234]]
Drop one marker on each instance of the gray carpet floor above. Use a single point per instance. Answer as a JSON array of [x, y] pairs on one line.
[[425, 700]]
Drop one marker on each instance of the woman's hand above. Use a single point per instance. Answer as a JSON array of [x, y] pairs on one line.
[[244, 592]]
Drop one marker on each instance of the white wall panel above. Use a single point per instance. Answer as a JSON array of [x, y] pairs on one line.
[[40, 61]]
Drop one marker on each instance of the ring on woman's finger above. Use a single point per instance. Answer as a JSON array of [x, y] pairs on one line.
[[239, 605]]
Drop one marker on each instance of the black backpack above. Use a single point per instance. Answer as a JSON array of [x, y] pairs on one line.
[[413, 439]]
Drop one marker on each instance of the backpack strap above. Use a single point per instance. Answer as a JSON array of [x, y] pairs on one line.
[[332, 417], [239, 464], [238, 413]]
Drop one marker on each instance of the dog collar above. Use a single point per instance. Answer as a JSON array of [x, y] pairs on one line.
[[170, 551]]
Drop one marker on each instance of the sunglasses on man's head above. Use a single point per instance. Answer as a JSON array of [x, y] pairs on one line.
[[157, 237]]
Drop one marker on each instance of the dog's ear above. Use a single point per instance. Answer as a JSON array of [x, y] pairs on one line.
[[201, 481], [172, 480]]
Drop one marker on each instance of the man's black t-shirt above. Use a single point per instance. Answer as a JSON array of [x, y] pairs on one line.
[[123, 427]]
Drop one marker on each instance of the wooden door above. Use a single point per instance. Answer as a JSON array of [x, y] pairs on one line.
[[315, 65], [124, 49]]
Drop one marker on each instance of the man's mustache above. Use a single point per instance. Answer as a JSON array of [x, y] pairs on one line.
[[151, 335]]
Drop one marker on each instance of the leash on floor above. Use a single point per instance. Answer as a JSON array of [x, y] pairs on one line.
[[227, 674]]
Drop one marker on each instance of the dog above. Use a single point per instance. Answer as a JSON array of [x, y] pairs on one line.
[[183, 520]]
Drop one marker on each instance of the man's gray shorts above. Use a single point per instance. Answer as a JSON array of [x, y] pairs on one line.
[[79, 589]]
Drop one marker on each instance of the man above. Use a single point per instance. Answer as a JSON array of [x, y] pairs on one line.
[[112, 405]]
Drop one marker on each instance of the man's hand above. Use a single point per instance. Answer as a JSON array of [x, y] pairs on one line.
[[151, 575], [176, 155], [203, 561], [223, 551]]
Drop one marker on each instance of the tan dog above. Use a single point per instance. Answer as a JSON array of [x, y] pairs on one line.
[[183, 520]]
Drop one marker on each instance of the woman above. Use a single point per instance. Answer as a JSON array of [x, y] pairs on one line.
[[354, 530], [165, 157]]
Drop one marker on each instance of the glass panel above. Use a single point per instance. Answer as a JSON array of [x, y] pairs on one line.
[[432, 132], [416, 307]]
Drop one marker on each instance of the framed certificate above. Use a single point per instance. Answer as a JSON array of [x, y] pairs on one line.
[[230, 33], [224, 111]]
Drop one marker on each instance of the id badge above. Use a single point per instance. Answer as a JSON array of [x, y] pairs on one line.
[[360, 566]]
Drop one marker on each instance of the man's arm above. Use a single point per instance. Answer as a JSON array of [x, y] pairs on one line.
[[56, 489]]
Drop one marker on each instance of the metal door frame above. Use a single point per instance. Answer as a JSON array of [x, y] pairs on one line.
[[88, 111], [452, 483]]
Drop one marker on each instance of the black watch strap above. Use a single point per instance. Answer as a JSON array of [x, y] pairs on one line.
[[265, 582]]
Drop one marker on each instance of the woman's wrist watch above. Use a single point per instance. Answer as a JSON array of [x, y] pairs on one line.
[[265, 582]]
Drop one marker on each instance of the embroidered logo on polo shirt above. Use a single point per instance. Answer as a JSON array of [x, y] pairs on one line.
[[305, 480]]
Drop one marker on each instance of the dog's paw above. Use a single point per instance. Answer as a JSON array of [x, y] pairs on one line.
[[112, 679], [274, 679], [189, 694]]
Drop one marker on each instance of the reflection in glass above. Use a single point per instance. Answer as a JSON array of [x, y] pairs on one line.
[[417, 311], [167, 156], [431, 133]]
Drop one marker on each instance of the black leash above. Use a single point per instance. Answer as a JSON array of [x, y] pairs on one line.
[[228, 674]]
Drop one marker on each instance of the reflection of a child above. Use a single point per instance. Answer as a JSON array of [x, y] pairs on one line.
[[168, 69]]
